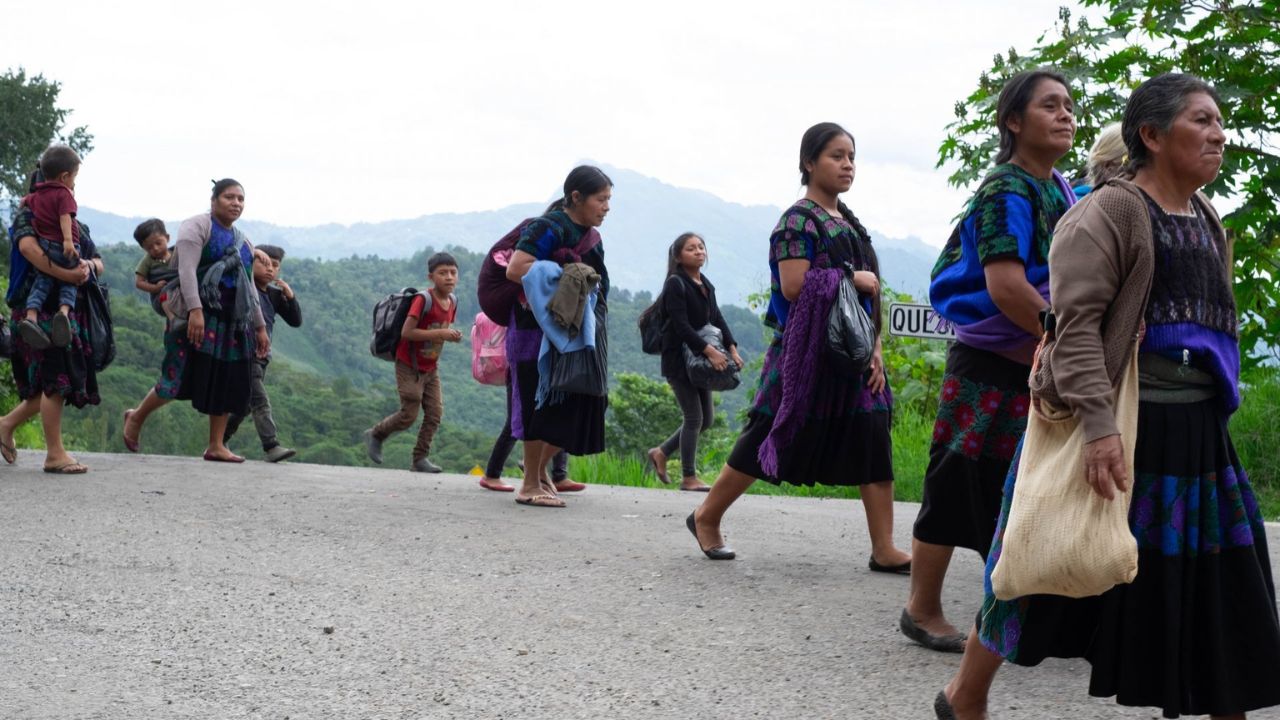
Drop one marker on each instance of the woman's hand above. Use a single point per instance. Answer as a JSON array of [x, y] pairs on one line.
[[865, 281], [733, 350], [1104, 466], [195, 326], [876, 377], [717, 358], [263, 344]]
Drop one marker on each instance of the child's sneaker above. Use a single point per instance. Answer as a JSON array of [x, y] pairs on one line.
[[426, 466], [373, 445], [279, 453], [32, 335], [60, 330]]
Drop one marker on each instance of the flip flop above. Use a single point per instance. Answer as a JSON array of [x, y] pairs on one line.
[[549, 501], [704, 488], [67, 468], [214, 458], [903, 569], [569, 486], [496, 486], [130, 445], [8, 452]]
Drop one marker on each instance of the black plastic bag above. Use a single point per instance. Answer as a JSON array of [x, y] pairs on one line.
[[701, 374], [98, 315], [6, 339], [585, 371], [851, 338]]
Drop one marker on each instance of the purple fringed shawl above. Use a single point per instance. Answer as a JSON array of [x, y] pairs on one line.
[[803, 341]]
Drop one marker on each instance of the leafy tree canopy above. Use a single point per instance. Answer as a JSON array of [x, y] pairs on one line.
[[1235, 46], [30, 120]]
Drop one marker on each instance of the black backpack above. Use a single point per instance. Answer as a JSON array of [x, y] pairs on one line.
[[388, 320], [653, 325]]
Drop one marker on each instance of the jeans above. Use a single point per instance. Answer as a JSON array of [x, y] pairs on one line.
[[695, 405], [505, 442], [43, 284], [259, 405]]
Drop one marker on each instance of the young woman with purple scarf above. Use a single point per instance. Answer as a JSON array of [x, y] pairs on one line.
[[992, 281], [809, 423]]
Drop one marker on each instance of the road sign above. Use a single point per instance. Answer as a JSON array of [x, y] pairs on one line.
[[919, 321]]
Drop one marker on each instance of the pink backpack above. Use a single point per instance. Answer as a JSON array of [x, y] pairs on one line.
[[488, 351]]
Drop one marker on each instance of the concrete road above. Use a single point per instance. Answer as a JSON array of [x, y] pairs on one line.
[[159, 587]]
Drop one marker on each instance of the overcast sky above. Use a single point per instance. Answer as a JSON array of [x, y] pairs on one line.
[[367, 111]]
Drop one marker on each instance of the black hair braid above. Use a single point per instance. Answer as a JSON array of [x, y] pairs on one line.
[[863, 248]]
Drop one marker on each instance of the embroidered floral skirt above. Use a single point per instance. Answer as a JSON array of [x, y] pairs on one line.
[[845, 439], [1196, 632], [982, 414], [215, 376], [56, 371]]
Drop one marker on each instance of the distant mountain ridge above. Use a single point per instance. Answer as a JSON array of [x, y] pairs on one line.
[[646, 215]]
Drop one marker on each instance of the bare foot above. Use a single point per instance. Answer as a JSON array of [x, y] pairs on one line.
[[966, 710], [659, 461], [936, 625], [694, 483], [708, 537], [891, 557]]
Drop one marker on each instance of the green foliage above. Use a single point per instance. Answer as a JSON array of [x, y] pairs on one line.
[[30, 120], [915, 366], [1253, 431], [1235, 46], [642, 413]]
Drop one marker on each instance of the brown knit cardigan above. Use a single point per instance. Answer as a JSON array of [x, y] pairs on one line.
[[1100, 269]]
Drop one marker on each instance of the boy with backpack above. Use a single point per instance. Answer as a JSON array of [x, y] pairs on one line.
[[422, 336]]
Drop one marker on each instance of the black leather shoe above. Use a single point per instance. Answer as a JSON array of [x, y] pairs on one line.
[[939, 643], [720, 552], [942, 708]]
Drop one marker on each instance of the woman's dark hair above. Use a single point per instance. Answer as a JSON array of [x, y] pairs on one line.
[[147, 228], [585, 180], [1016, 95], [815, 140], [221, 185], [1157, 102]]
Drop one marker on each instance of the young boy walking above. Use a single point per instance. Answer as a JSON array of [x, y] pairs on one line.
[[426, 330], [277, 300]]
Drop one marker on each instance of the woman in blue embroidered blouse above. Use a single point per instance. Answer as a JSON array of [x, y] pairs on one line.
[[991, 281], [209, 345]]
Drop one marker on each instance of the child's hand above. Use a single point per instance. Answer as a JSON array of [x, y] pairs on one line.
[[284, 288], [160, 285], [452, 335], [69, 252]]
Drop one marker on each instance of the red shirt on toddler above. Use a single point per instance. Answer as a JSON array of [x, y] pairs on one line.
[[50, 201]]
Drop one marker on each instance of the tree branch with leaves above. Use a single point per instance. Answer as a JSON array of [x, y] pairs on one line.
[[1111, 47]]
